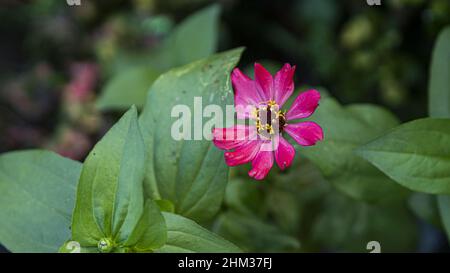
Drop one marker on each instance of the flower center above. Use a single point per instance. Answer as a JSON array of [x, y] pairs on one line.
[[270, 120]]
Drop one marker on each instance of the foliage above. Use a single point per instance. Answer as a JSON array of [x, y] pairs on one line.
[[128, 87]]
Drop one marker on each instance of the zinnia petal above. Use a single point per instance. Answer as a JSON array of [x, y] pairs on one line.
[[284, 154], [244, 89], [245, 93], [233, 137], [283, 84], [305, 133], [261, 165], [263, 82], [304, 105], [243, 154]]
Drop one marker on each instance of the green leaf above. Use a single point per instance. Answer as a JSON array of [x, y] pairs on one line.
[[184, 235], [150, 232], [110, 191], [444, 212], [439, 85], [128, 88], [253, 234], [439, 105], [192, 173], [193, 39], [348, 225], [345, 128], [37, 197], [415, 154]]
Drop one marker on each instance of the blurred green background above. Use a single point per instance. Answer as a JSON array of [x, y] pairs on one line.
[[68, 72]]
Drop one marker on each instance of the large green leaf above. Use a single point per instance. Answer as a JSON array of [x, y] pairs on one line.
[[345, 128], [110, 192], [191, 174], [439, 85], [439, 103], [415, 154], [184, 235], [193, 39], [37, 197]]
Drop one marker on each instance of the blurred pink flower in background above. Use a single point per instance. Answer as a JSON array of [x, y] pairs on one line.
[[84, 76]]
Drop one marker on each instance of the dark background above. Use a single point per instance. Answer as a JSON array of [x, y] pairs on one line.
[[360, 53]]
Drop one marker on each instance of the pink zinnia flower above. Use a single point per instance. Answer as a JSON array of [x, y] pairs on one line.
[[260, 101]]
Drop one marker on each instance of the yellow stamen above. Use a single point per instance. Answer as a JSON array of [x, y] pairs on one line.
[[272, 103]]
